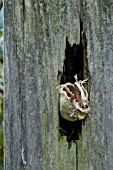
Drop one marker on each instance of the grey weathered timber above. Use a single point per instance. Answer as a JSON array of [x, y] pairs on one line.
[[34, 51]]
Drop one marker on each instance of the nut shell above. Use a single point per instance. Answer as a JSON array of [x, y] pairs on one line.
[[74, 104]]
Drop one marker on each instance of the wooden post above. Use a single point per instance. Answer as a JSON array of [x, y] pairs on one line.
[[34, 53]]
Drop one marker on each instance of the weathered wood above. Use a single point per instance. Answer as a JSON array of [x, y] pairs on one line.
[[95, 149], [34, 51]]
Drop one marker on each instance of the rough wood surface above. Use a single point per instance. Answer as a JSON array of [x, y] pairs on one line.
[[34, 50]]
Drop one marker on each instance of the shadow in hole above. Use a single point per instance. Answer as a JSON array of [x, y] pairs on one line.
[[73, 64], [70, 129]]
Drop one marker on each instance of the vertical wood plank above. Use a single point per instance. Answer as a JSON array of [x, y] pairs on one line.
[[34, 51]]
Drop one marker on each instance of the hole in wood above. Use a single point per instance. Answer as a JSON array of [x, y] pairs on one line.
[[75, 63]]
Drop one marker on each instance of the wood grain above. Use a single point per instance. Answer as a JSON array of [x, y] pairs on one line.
[[34, 51]]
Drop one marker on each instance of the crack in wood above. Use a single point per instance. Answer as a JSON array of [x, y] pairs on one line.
[[75, 63]]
